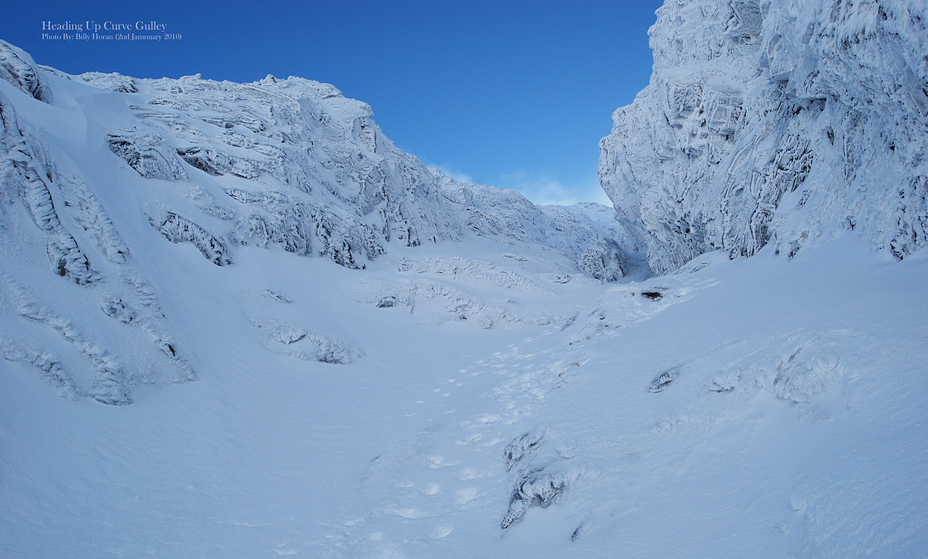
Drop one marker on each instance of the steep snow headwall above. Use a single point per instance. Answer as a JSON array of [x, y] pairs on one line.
[[781, 122]]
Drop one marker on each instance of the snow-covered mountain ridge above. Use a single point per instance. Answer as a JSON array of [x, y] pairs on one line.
[[309, 169], [93, 165], [769, 121]]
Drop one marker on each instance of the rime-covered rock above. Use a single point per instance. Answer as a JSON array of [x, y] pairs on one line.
[[26, 174], [578, 231], [18, 68], [113, 81], [178, 229], [783, 122], [145, 153], [537, 473], [48, 207], [324, 180]]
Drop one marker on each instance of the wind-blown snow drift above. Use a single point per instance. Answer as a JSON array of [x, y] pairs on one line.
[[781, 122]]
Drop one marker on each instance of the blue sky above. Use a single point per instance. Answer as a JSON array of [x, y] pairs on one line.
[[515, 94]]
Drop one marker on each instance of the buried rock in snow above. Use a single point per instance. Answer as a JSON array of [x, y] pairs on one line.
[[663, 380], [529, 459], [536, 489]]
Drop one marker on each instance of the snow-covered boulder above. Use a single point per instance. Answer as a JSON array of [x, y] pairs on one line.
[[781, 122]]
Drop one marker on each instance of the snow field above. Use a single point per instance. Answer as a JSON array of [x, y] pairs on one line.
[[403, 452]]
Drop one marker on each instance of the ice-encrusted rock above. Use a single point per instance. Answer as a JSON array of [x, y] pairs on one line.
[[145, 153], [324, 180], [782, 122], [50, 367], [537, 474], [89, 214], [26, 174], [663, 380], [320, 167], [796, 369], [304, 228], [178, 229], [522, 446], [18, 68], [573, 230], [109, 384], [113, 81], [45, 204], [295, 341]]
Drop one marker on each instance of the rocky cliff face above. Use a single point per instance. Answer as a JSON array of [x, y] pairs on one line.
[[775, 122], [101, 175], [289, 162]]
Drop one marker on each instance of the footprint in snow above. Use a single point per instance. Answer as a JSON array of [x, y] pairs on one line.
[[441, 531], [465, 495], [409, 513]]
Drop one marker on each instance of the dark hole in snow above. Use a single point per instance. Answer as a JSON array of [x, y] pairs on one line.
[[653, 295]]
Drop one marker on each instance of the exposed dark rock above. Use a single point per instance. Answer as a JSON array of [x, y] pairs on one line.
[[664, 379], [181, 230], [18, 68], [146, 154]]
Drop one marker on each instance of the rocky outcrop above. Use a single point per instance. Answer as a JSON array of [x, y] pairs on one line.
[[538, 475], [145, 153], [577, 231], [178, 230], [45, 205], [18, 68], [775, 122], [320, 177]]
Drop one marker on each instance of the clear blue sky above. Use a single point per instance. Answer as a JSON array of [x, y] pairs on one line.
[[515, 94]]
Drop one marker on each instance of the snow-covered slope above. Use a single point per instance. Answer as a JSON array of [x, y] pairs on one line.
[[762, 407], [775, 121], [101, 173]]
